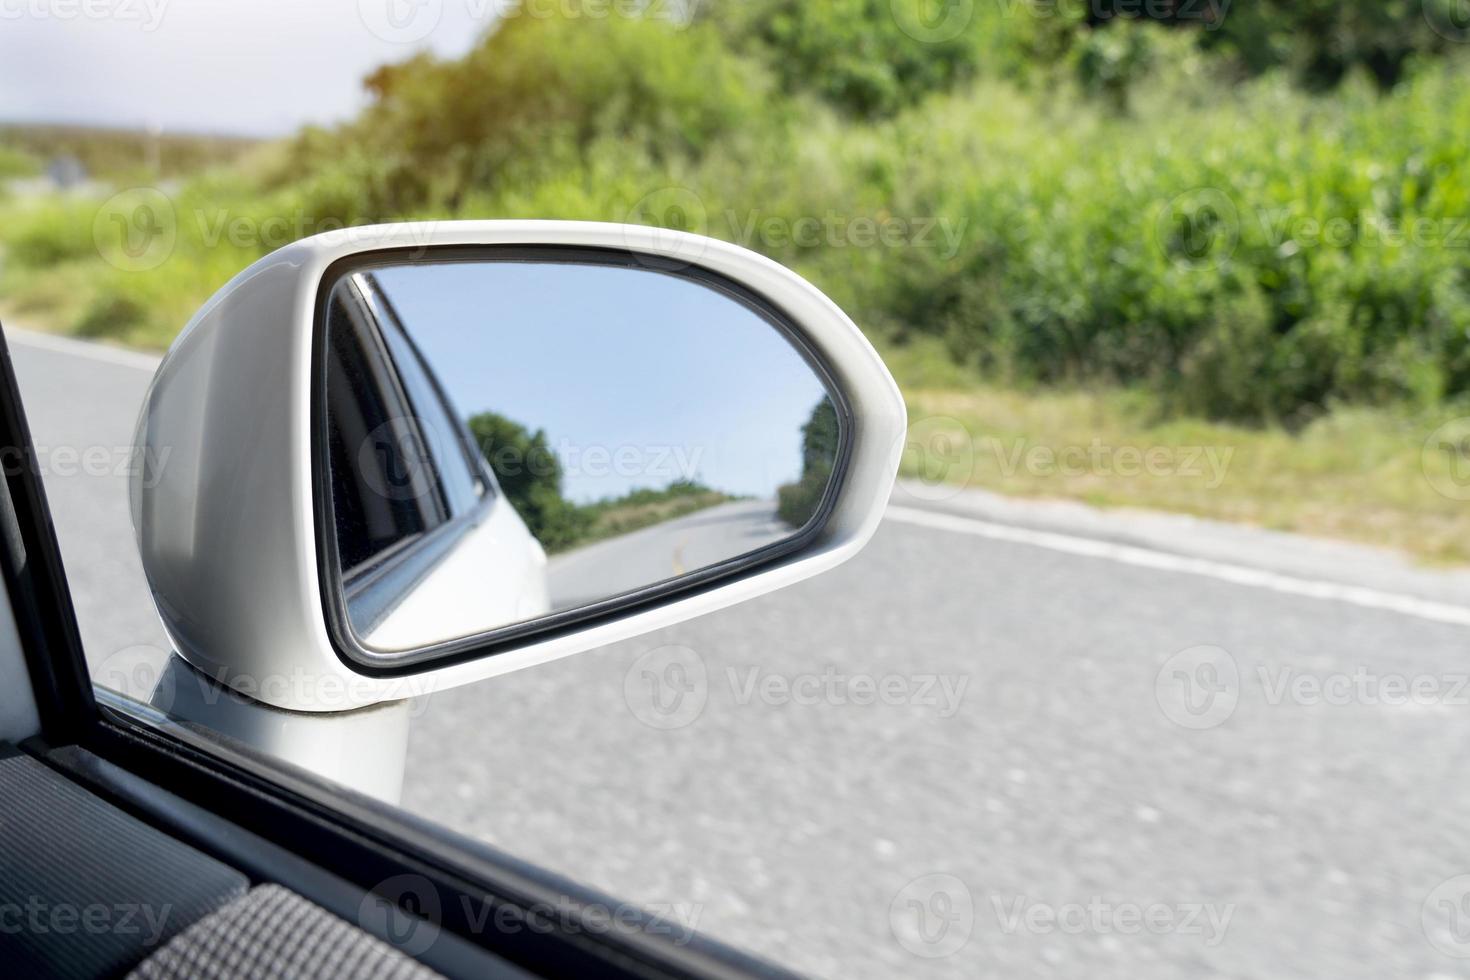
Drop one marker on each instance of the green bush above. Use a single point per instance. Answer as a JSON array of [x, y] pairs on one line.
[[17, 163], [1243, 250], [112, 314], [797, 502], [1322, 41], [1275, 253], [49, 233], [534, 96], [855, 54]]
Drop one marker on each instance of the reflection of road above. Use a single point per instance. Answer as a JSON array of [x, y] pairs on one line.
[[791, 826], [617, 565]]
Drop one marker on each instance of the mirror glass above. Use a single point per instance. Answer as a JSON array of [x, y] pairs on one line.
[[510, 440]]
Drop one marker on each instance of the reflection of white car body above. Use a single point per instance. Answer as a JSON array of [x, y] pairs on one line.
[[473, 566], [494, 575]]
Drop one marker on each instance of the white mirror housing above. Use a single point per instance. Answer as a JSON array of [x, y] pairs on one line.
[[227, 512]]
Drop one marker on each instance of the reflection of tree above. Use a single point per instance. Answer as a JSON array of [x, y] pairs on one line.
[[640, 507], [530, 476], [797, 502]]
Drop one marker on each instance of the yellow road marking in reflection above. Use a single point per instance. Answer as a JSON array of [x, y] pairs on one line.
[[679, 557]]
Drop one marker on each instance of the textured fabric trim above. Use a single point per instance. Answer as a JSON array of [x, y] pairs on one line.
[[273, 932]]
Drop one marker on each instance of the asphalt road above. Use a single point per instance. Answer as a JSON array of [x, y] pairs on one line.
[[667, 550], [962, 754]]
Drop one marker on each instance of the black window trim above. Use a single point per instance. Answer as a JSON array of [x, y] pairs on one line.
[[142, 761], [375, 587], [473, 460], [400, 411]]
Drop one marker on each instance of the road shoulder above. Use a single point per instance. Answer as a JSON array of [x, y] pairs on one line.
[[1314, 559]]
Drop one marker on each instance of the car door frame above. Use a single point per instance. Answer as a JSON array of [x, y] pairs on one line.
[[283, 824]]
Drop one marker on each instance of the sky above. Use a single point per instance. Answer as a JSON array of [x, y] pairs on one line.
[[250, 67], [682, 381]]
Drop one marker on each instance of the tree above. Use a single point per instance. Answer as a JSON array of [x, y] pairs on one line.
[[797, 502], [866, 57], [530, 476]]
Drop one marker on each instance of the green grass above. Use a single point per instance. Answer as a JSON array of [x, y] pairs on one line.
[[1354, 472], [1358, 474], [120, 153], [65, 261]]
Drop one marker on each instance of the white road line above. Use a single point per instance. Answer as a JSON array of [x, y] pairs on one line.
[[1163, 561], [82, 348]]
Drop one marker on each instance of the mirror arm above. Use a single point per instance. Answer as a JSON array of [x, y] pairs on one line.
[[365, 749]]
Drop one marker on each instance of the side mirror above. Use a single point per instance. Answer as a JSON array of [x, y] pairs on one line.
[[405, 458]]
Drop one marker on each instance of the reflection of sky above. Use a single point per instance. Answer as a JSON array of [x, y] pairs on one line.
[[638, 378]]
